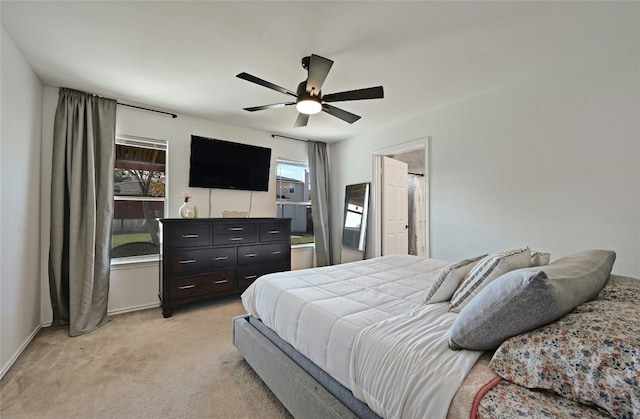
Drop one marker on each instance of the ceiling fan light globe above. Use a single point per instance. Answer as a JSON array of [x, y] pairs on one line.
[[309, 106]]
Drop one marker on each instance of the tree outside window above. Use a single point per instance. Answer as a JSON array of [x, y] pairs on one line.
[[139, 196]]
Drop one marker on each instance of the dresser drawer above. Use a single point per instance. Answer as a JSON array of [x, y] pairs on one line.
[[203, 284], [189, 261], [274, 231], [234, 239], [222, 257], [201, 260], [234, 228], [262, 253], [247, 275], [188, 235]]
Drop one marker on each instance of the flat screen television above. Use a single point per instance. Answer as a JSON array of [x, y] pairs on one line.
[[227, 165]]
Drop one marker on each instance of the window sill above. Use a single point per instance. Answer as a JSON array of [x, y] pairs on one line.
[[302, 246], [134, 261]]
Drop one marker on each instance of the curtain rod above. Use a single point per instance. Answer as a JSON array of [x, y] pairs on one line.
[[289, 138], [173, 115], [416, 174]]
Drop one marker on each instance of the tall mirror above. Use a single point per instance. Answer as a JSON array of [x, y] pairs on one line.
[[354, 227]]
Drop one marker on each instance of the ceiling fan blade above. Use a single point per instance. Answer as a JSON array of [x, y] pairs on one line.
[[272, 106], [359, 94], [302, 120], [257, 80], [340, 113], [318, 70]]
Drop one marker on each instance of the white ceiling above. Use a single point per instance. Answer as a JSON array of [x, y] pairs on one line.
[[183, 56]]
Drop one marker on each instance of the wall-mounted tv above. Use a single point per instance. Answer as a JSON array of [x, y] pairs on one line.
[[227, 165]]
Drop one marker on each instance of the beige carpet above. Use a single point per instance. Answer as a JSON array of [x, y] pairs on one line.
[[140, 365]]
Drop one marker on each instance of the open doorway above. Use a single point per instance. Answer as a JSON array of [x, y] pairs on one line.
[[415, 155], [416, 189]]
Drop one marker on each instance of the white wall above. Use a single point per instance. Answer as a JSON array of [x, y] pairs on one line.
[[20, 209], [551, 162], [135, 286]]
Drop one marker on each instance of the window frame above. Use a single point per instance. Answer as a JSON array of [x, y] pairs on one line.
[[280, 201], [150, 143]]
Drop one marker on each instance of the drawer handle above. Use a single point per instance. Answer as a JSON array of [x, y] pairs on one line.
[[222, 281], [190, 236], [251, 277], [251, 255], [182, 262], [235, 239], [186, 287], [236, 228], [276, 252], [221, 258], [274, 231]]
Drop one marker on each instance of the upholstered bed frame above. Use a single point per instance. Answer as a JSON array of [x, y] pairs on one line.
[[303, 388], [589, 305]]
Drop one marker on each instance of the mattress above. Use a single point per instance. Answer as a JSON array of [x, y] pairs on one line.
[[320, 311], [366, 324]]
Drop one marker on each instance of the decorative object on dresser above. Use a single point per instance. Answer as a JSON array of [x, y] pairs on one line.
[[210, 257], [187, 210]]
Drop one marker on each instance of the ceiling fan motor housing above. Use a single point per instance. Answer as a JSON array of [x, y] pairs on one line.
[[303, 94], [305, 62]]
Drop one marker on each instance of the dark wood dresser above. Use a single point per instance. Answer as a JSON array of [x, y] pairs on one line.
[[210, 257]]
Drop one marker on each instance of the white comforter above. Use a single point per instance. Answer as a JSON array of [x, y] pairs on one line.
[[321, 312], [402, 367]]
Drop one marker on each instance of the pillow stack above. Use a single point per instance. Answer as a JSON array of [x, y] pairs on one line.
[[486, 271], [461, 281], [526, 298], [591, 356]]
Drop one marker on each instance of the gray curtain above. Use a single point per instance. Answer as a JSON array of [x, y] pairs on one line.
[[81, 210], [319, 173]]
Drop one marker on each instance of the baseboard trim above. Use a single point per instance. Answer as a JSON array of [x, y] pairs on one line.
[[16, 355], [134, 308]]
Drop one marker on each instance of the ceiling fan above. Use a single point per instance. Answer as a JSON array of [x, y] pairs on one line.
[[309, 98]]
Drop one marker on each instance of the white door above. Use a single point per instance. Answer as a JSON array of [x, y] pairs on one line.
[[395, 212]]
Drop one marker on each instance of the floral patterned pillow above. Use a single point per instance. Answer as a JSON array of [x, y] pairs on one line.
[[621, 288], [591, 355]]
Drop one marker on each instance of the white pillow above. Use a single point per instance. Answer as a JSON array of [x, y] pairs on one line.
[[540, 258], [488, 269], [448, 279]]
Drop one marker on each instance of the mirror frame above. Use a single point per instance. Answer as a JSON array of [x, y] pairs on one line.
[[350, 253]]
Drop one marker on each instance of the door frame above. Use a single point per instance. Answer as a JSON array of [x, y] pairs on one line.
[[376, 190]]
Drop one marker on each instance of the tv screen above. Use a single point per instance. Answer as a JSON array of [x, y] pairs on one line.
[[228, 165]]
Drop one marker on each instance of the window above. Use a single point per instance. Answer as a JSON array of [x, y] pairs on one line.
[[293, 199], [139, 196]]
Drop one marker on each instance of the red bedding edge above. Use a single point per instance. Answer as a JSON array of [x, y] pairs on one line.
[[483, 390]]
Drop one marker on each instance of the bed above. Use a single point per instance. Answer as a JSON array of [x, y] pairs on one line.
[[501, 335]]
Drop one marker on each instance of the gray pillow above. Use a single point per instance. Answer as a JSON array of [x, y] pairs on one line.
[[528, 298], [540, 258], [448, 279], [485, 272]]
